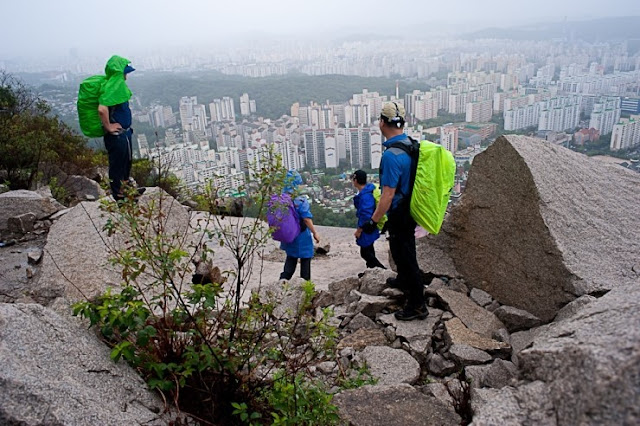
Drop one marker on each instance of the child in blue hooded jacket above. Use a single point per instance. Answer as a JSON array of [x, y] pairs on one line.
[[302, 247], [365, 205]]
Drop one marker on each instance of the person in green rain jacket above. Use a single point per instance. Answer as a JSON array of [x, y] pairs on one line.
[[115, 117]]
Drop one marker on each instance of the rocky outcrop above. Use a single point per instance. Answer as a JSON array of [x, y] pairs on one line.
[[76, 260], [539, 225], [55, 372]]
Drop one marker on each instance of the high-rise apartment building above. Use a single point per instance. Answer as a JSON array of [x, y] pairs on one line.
[[186, 111], [449, 137], [314, 147], [245, 109], [479, 112], [560, 113], [626, 134], [522, 117], [605, 114], [359, 146]]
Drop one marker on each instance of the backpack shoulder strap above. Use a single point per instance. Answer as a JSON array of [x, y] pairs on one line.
[[413, 151]]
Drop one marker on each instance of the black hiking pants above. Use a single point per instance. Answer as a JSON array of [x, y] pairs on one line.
[[290, 267], [369, 255], [402, 245], [119, 148]]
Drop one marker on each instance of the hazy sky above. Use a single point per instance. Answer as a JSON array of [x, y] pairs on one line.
[[33, 27]]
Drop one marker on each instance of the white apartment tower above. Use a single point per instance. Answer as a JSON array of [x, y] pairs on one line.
[[449, 138], [605, 114], [245, 109], [626, 134], [479, 112]]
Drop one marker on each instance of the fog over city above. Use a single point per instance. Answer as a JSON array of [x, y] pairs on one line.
[[43, 28]]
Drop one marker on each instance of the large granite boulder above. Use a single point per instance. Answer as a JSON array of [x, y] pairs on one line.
[[76, 261], [539, 225], [53, 371]]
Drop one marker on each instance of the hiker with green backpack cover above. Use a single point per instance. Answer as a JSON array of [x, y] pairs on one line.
[[416, 180], [103, 111]]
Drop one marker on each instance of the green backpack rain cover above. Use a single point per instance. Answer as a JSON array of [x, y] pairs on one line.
[[435, 176], [377, 193], [108, 90]]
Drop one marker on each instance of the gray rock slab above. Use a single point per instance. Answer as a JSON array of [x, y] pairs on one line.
[[539, 225], [473, 316], [54, 371], [362, 338], [22, 223], [391, 366], [374, 281], [81, 188], [457, 333], [516, 319], [572, 308], [371, 305], [527, 405], [15, 203], [454, 284], [440, 392], [497, 375], [394, 405], [361, 321], [467, 355], [440, 366], [341, 289], [481, 297], [412, 329]]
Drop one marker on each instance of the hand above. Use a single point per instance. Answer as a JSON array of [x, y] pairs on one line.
[[358, 233], [369, 226], [114, 128], [316, 237]]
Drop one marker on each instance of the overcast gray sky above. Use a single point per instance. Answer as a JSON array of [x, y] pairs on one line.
[[33, 27]]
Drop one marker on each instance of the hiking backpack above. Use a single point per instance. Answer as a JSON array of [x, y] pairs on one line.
[[433, 172], [88, 96], [283, 218]]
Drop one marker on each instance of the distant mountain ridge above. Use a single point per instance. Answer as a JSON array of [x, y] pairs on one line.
[[603, 29]]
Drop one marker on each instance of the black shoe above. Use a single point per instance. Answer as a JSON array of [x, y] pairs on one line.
[[408, 314]]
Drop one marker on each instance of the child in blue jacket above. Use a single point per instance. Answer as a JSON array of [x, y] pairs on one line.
[[365, 205], [302, 247]]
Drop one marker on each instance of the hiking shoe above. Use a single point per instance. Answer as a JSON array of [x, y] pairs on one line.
[[408, 314]]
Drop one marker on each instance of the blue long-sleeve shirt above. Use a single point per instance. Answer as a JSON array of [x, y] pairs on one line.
[[365, 205]]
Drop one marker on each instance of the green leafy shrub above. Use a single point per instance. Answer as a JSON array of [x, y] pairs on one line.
[[32, 138], [219, 358]]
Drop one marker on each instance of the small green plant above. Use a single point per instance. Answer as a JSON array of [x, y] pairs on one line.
[[358, 378], [58, 191], [300, 402]]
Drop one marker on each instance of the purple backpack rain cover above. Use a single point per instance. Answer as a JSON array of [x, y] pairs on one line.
[[283, 218]]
